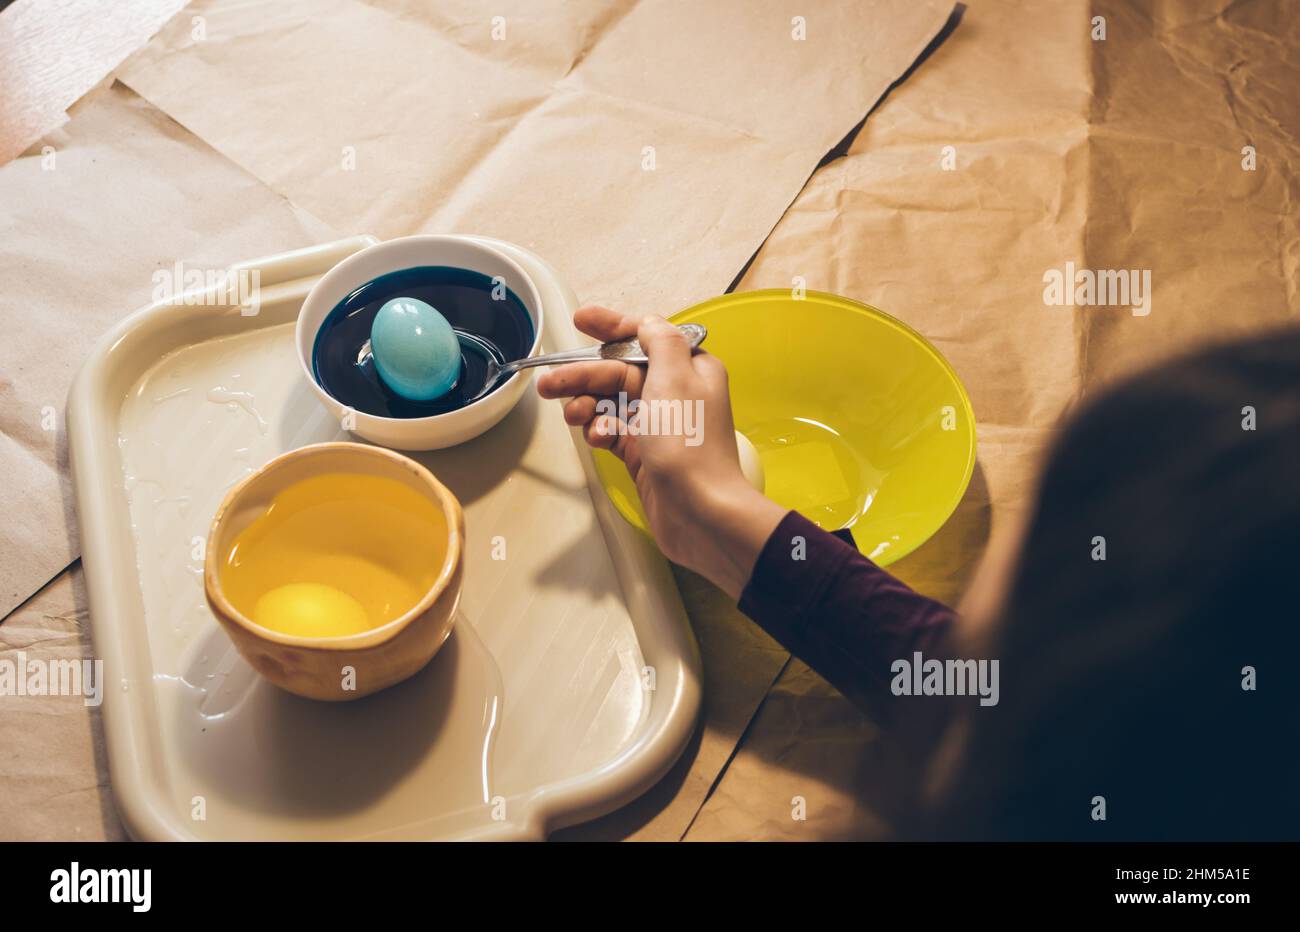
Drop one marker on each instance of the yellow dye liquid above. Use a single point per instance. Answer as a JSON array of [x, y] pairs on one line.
[[811, 468], [336, 554]]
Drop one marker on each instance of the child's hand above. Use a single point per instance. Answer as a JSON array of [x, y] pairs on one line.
[[680, 444]]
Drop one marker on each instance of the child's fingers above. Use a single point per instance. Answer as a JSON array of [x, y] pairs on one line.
[[603, 377], [711, 369], [606, 432], [666, 346], [601, 432], [580, 410], [631, 456], [604, 324]]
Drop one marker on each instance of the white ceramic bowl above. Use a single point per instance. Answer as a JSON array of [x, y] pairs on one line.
[[438, 430]]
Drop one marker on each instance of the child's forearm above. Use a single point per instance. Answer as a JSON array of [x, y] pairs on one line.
[[840, 613], [735, 523]]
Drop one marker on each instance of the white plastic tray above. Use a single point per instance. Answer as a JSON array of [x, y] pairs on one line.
[[571, 683]]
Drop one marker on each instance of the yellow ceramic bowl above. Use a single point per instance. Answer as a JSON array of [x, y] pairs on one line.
[[336, 569], [860, 423]]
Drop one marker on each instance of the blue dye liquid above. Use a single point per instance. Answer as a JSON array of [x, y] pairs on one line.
[[500, 327]]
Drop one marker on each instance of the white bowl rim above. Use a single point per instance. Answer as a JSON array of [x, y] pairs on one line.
[[432, 239]]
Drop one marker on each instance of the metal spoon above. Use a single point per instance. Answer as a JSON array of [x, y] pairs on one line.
[[625, 350]]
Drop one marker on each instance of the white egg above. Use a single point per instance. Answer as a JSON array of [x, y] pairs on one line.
[[750, 464]]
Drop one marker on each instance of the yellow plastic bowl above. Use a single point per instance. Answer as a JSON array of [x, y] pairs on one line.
[[859, 421]]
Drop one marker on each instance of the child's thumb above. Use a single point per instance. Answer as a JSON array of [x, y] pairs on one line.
[[664, 344]]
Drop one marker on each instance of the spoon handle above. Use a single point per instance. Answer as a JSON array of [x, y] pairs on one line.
[[625, 350]]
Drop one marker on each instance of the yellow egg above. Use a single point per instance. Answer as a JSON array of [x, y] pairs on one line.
[[311, 610]]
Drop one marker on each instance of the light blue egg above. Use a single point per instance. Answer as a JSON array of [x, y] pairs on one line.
[[415, 350]]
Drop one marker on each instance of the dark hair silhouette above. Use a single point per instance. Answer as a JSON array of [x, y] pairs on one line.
[[1123, 678]]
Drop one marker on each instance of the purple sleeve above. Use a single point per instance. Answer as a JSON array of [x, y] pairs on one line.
[[840, 613]]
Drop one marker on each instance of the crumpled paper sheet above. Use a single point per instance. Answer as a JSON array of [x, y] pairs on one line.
[[55, 51], [553, 158], [52, 758], [1122, 153], [125, 193], [642, 148]]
